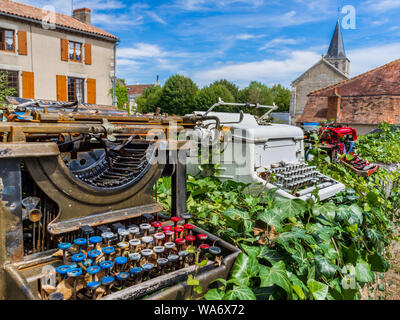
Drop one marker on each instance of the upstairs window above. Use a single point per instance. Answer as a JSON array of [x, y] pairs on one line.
[[76, 90], [75, 51], [7, 40]]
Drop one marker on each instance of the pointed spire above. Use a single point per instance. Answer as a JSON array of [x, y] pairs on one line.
[[336, 48]]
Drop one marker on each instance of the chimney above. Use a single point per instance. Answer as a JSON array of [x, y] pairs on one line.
[[334, 102], [83, 14], [158, 81]]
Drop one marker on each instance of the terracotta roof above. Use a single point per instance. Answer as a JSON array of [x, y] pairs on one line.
[[25, 11], [369, 98], [137, 89]]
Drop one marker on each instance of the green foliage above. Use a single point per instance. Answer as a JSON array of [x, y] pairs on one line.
[[149, 100], [281, 97], [257, 92], [5, 90], [294, 249], [121, 92], [178, 95], [381, 146], [233, 88], [208, 96]]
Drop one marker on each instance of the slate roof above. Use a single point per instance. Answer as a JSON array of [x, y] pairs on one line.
[[336, 47]]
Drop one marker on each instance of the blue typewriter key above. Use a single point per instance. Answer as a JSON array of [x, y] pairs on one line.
[[79, 257], [93, 271], [63, 270], [95, 240], [80, 243], [64, 247], [120, 261], [122, 277], [94, 254], [93, 286], [74, 273], [108, 251], [106, 265], [107, 282]]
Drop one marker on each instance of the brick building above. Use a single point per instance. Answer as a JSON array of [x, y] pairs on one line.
[[362, 102]]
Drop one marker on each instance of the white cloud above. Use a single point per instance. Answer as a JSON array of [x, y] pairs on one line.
[[140, 51], [279, 42], [382, 5], [156, 17], [365, 59], [201, 5], [108, 19], [247, 36], [269, 71]]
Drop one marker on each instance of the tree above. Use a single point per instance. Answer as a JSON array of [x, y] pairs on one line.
[[233, 88], [121, 93], [209, 95], [281, 97], [178, 95], [257, 92], [5, 90], [149, 100]]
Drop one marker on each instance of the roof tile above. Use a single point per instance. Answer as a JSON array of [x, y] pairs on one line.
[[25, 11]]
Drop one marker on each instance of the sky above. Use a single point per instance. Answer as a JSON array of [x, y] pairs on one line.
[[271, 41]]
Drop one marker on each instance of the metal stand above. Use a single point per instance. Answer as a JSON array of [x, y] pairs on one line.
[[179, 191]]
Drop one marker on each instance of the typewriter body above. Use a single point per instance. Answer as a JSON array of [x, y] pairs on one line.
[[78, 215]]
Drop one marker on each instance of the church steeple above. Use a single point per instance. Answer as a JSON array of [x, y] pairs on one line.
[[336, 54]]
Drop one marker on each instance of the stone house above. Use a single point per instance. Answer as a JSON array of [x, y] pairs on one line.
[[331, 69], [53, 56]]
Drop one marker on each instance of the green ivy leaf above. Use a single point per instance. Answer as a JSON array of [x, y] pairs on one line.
[[363, 272], [325, 267], [299, 291], [251, 251], [240, 293], [318, 290], [356, 215], [378, 263], [214, 294], [327, 210], [244, 269], [271, 217], [275, 275], [272, 256], [291, 208]]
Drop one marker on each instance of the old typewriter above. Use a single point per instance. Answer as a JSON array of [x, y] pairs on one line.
[[78, 215]]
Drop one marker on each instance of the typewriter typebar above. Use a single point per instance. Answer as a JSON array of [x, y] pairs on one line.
[[79, 218]]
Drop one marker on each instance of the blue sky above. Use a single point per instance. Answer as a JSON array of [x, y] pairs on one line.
[[272, 41]]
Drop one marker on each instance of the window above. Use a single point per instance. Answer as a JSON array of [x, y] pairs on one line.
[[7, 40], [76, 90], [12, 81], [75, 51]]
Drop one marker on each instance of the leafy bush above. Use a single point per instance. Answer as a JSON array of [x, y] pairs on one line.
[[382, 146], [293, 249]]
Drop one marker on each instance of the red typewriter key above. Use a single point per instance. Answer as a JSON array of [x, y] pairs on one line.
[[189, 227]]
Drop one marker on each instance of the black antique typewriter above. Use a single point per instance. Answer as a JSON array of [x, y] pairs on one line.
[[79, 219]]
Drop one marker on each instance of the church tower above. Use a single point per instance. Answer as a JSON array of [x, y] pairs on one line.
[[336, 54]]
